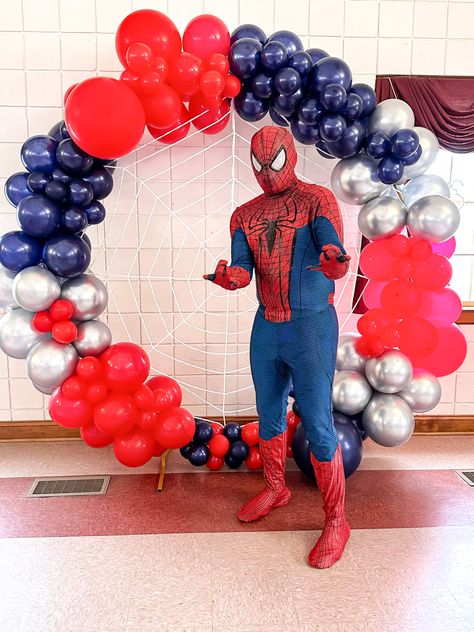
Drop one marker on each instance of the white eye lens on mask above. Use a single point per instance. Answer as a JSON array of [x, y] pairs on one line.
[[257, 166], [279, 161]]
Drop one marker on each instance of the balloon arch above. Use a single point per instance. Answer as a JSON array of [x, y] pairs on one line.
[[406, 339]]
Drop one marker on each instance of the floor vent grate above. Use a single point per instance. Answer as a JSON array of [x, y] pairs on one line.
[[69, 486], [467, 477]]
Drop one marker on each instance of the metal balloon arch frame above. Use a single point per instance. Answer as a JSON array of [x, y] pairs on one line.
[[386, 372]]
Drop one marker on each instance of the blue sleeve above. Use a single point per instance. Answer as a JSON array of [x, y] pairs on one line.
[[324, 233], [242, 256]]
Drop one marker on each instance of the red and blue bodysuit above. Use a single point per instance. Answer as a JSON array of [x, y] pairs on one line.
[[281, 234]]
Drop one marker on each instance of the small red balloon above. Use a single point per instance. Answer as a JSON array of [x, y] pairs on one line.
[[420, 249], [139, 58], [208, 121], [218, 62], [94, 437], [214, 463], [418, 337], [175, 428], [69, 413], [147, 420], [125, 366], [219, 445], [61, 310], [400, 298], [149, 83], [159, 449], [254, 460], [250, 434], [73, 388], [143, 398], [163, 108], [42, 321], [173, 134], [187, 70], [68, 92], [115, 415], [397, 245], [206, 35], [212, 84], [292, 421], [217, 428], [289, 452], [376, 262], [232, 86], [64, 331], [135, 448], [161, 66], [89, 368], [96, 392], [131, 80], [169, 385]]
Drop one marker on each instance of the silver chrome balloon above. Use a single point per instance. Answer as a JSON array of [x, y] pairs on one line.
[[6, 281], [356, 181], [390, 116], [49, 363], [421, 186], [434, 218], [36, 288], [348, 358], [390, 372], [388, 420], [351, 392], [87, 294], [423, 393], [93, 337], [429, 151], [382, 217], [46, 390], [17, 335]]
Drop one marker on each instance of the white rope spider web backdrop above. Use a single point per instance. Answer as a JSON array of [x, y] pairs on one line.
[[167, 224]]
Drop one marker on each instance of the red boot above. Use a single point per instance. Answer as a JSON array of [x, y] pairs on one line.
[[275, 493], [330, 546]]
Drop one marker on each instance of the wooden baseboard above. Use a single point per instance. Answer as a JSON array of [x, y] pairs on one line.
[[49, 431]]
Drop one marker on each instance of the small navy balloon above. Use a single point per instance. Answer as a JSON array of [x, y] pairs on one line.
[[390, 170], [287, 81], [367, 94], [248, 30], [333, 97], [290, 41], [16, 187], [250, 107], [203, 432], [277, 118], [37, 181], [323, 149], [232, 432], [59, 131], [377, 145], [412, 158], [404, 143], [244, 57], [305, 134], [38, 216], [95, 212], [61, 176], [186, 450], [350, 143], [72, 158], [38, 153], [199, 455], [66, 256], [56, 191], [80, 193], [286, 106], [74, 220], [310, 111], [329, 70], [316, 54], [262, 85], [232, 462], [19, 250], [332, 127], [353, 107], [273, 57], [239, 451], [301, 61], [101, 181]]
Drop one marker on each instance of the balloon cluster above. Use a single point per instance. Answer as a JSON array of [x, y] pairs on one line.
[[395, 152]]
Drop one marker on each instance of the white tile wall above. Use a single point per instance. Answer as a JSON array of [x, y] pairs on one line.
[[187, 326]]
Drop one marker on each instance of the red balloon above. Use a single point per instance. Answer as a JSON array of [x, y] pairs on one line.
[[289, 452], [206, 35], [219, 445], [214, 463], [163, 109], [372, 322], [96, 392], [61, 310], [64, 331], [212, 84], [400, 298], [69, 413], [131, 80], [402, 268], [250, 434], [169, 385], [73, 388], [232, 86], [171, 135], [362, 346], [135, 448], [150, 83], [418, 337], [163, 400], [254, 460], [42, 321], [162, 67], [397, 245], [185, 75], [89, 368], [376, 262], [449, 354], [68, 92], [292, 421], [432, 274], [147, 420], [376, 347], [94, 437], [125, 366], [175, 428], [159, 449], [152, 28], [218, 62], [143, 398], [208, 121], [115, 415], [217, 428], [105, 117], [442, 307], [420, 249], [139, 58]]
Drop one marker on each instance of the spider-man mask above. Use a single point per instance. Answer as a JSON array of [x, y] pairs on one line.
[[273, 156]]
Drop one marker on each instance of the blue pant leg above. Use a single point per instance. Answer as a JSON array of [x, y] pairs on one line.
[[312, 364], [271, 378]]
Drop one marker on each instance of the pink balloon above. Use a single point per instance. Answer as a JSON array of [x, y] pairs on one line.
[[445, 248], [449, 354], [441, 307], [372, 291]]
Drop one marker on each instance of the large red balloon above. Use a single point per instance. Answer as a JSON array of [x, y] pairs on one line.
[[69, 413], [104, 117], [115, 415], [126, 366], [400, 298], [449, 354], [214, 463], [433, 273], [164, 108], [206, 35], [376, 261], [149, 27], [209, 121], [417, 337], [94, 437], [170, 135], [250, 434], [135, 448], [168, 384], [175, 428], [219, 445], [184, 78]]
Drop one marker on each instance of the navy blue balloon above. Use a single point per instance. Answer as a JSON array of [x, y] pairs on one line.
[[66, 256], [368, 97], [262, 85], [16, 187], [377, 145], [38, 216], [199, 455], [390, 169], [301, 61], [305, 134], [357, 421], [350, 441], [232, 432], [286, 106], [291, 393], [56, 191], [332, 127], [59, 131], [244, 57], [239, 451], [203, 432], [74, 220], [329, 70], [353, 107], [232, 462], [410, 160], [80, 193], [301, 452], [350, 143], [87, 241], [185, 451], [316, 54], [248, 30], [273, 57], [404, 143], [19, 250], [250, 107], [61, 176], [323, 149], [333, 97], [277, 118], [95, 212], [287, 81], [290, 41], [295, 408], [101, 181], [310, 111], [37, 181], [38, 153], [72, 158]]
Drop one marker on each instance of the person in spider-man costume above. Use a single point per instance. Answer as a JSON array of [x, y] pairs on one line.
[[292, 236]]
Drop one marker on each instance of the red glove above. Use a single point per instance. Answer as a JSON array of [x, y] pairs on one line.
[[230, 278], [332, 263]]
